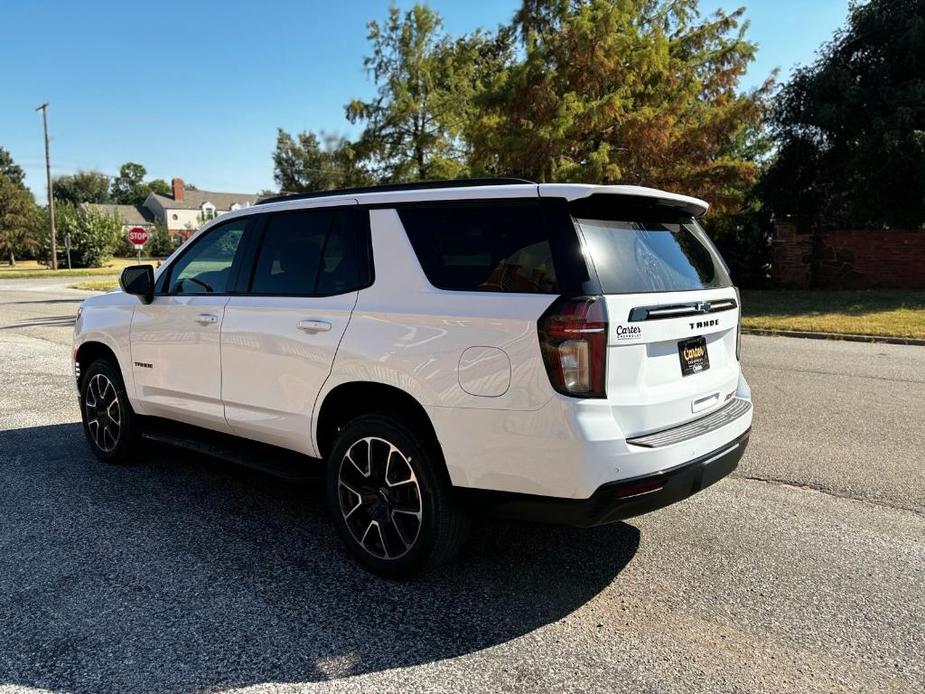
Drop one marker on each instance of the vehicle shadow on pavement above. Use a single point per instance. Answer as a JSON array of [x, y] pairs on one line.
[[45, 302], [43, 322], [183, 573]]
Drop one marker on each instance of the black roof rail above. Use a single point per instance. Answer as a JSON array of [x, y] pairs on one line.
[[392, 187]]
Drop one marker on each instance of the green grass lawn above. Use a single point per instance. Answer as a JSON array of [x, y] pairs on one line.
[[31, 269], [97, 285], [104, 284], [885, 312]]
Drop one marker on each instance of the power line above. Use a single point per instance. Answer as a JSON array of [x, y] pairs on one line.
[[62, 169]]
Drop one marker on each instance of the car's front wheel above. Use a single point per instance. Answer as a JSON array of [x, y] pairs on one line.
[[108, 419], [391, 499]]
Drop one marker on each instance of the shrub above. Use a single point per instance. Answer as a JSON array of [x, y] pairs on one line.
[[94, 235], [159, 244], [744, 240], [124, 248]]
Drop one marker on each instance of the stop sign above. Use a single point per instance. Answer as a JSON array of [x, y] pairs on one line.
[[138, 236]]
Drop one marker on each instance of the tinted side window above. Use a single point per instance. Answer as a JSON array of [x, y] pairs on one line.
[[486, 247], [206, 267], [290, 253], [308, 253], [340, 266]]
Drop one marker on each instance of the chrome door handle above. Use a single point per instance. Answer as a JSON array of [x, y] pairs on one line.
[[206, 318], [314, 326]]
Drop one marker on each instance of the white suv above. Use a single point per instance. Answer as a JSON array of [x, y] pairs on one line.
[[558, 352]]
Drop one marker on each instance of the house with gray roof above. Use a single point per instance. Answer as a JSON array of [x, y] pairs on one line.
[[182, 211], [131, 215]]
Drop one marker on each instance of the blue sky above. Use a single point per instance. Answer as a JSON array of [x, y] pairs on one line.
[[197, 89]]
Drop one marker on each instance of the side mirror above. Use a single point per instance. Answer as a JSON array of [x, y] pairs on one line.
[[138, 280]]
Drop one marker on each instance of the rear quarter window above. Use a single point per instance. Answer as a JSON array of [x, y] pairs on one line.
[[499, 247]]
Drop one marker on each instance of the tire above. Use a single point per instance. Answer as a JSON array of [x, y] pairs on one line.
[[110, 424], [391, 498]]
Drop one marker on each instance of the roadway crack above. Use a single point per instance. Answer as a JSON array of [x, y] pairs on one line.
[[918, 510], [823, 372]]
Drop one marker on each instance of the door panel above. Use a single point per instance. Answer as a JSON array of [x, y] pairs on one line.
[[177, 361], [176, 339], [279, 338], [276, 354]]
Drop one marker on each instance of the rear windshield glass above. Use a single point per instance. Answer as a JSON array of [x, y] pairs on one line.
[[649, 256]]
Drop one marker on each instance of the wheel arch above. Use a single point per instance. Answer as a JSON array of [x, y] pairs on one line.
[[89, 352], [349, 400]]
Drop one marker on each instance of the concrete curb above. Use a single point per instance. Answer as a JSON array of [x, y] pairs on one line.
[[835, 336]]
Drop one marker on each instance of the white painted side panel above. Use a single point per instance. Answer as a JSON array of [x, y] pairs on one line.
[[272, 370], [409, 335], [184, 378], [107, 319], [485, 371]]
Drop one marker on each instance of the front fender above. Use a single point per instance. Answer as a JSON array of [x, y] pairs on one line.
[[109, 323]]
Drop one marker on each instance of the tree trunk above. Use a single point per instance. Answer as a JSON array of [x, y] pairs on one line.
[[422, 169], [418, 130], [12, 259]]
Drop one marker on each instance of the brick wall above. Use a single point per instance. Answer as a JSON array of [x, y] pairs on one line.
[[791, 260], [181, 235], [856, 259]]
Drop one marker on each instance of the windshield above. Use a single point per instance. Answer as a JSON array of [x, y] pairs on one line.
[[647, 256]]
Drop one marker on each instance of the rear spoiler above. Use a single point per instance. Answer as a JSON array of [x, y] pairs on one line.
[[638, 198]]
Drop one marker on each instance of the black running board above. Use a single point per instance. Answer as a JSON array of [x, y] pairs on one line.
[[275, 461]]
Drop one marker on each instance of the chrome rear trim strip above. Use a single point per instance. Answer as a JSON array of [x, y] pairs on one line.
[[694, 308], [666, 437]]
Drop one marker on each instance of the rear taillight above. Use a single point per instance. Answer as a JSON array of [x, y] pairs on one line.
[[739, 326], [573, 339]]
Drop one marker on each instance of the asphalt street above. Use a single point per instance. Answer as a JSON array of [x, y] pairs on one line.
[[804, 571]]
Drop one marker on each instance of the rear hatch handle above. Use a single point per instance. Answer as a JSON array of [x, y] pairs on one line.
[[705, 403]]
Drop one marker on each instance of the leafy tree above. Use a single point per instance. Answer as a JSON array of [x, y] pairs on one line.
[[83, 186], [744, 238], [850, 129], [306, 164], [16, 211], [159, 244], [414, 124], [161, 187], [11, 169], [129, 188], [638, 91], [94, 234]]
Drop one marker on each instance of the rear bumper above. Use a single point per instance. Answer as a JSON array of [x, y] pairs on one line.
[[616, 501], [571, 448]]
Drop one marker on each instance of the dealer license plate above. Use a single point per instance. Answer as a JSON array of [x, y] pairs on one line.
[[693, 354]]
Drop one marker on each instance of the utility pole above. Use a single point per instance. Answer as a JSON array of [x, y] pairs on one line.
[[51, 202]]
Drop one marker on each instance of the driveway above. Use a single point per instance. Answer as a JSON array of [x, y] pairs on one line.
[[804, 571]]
